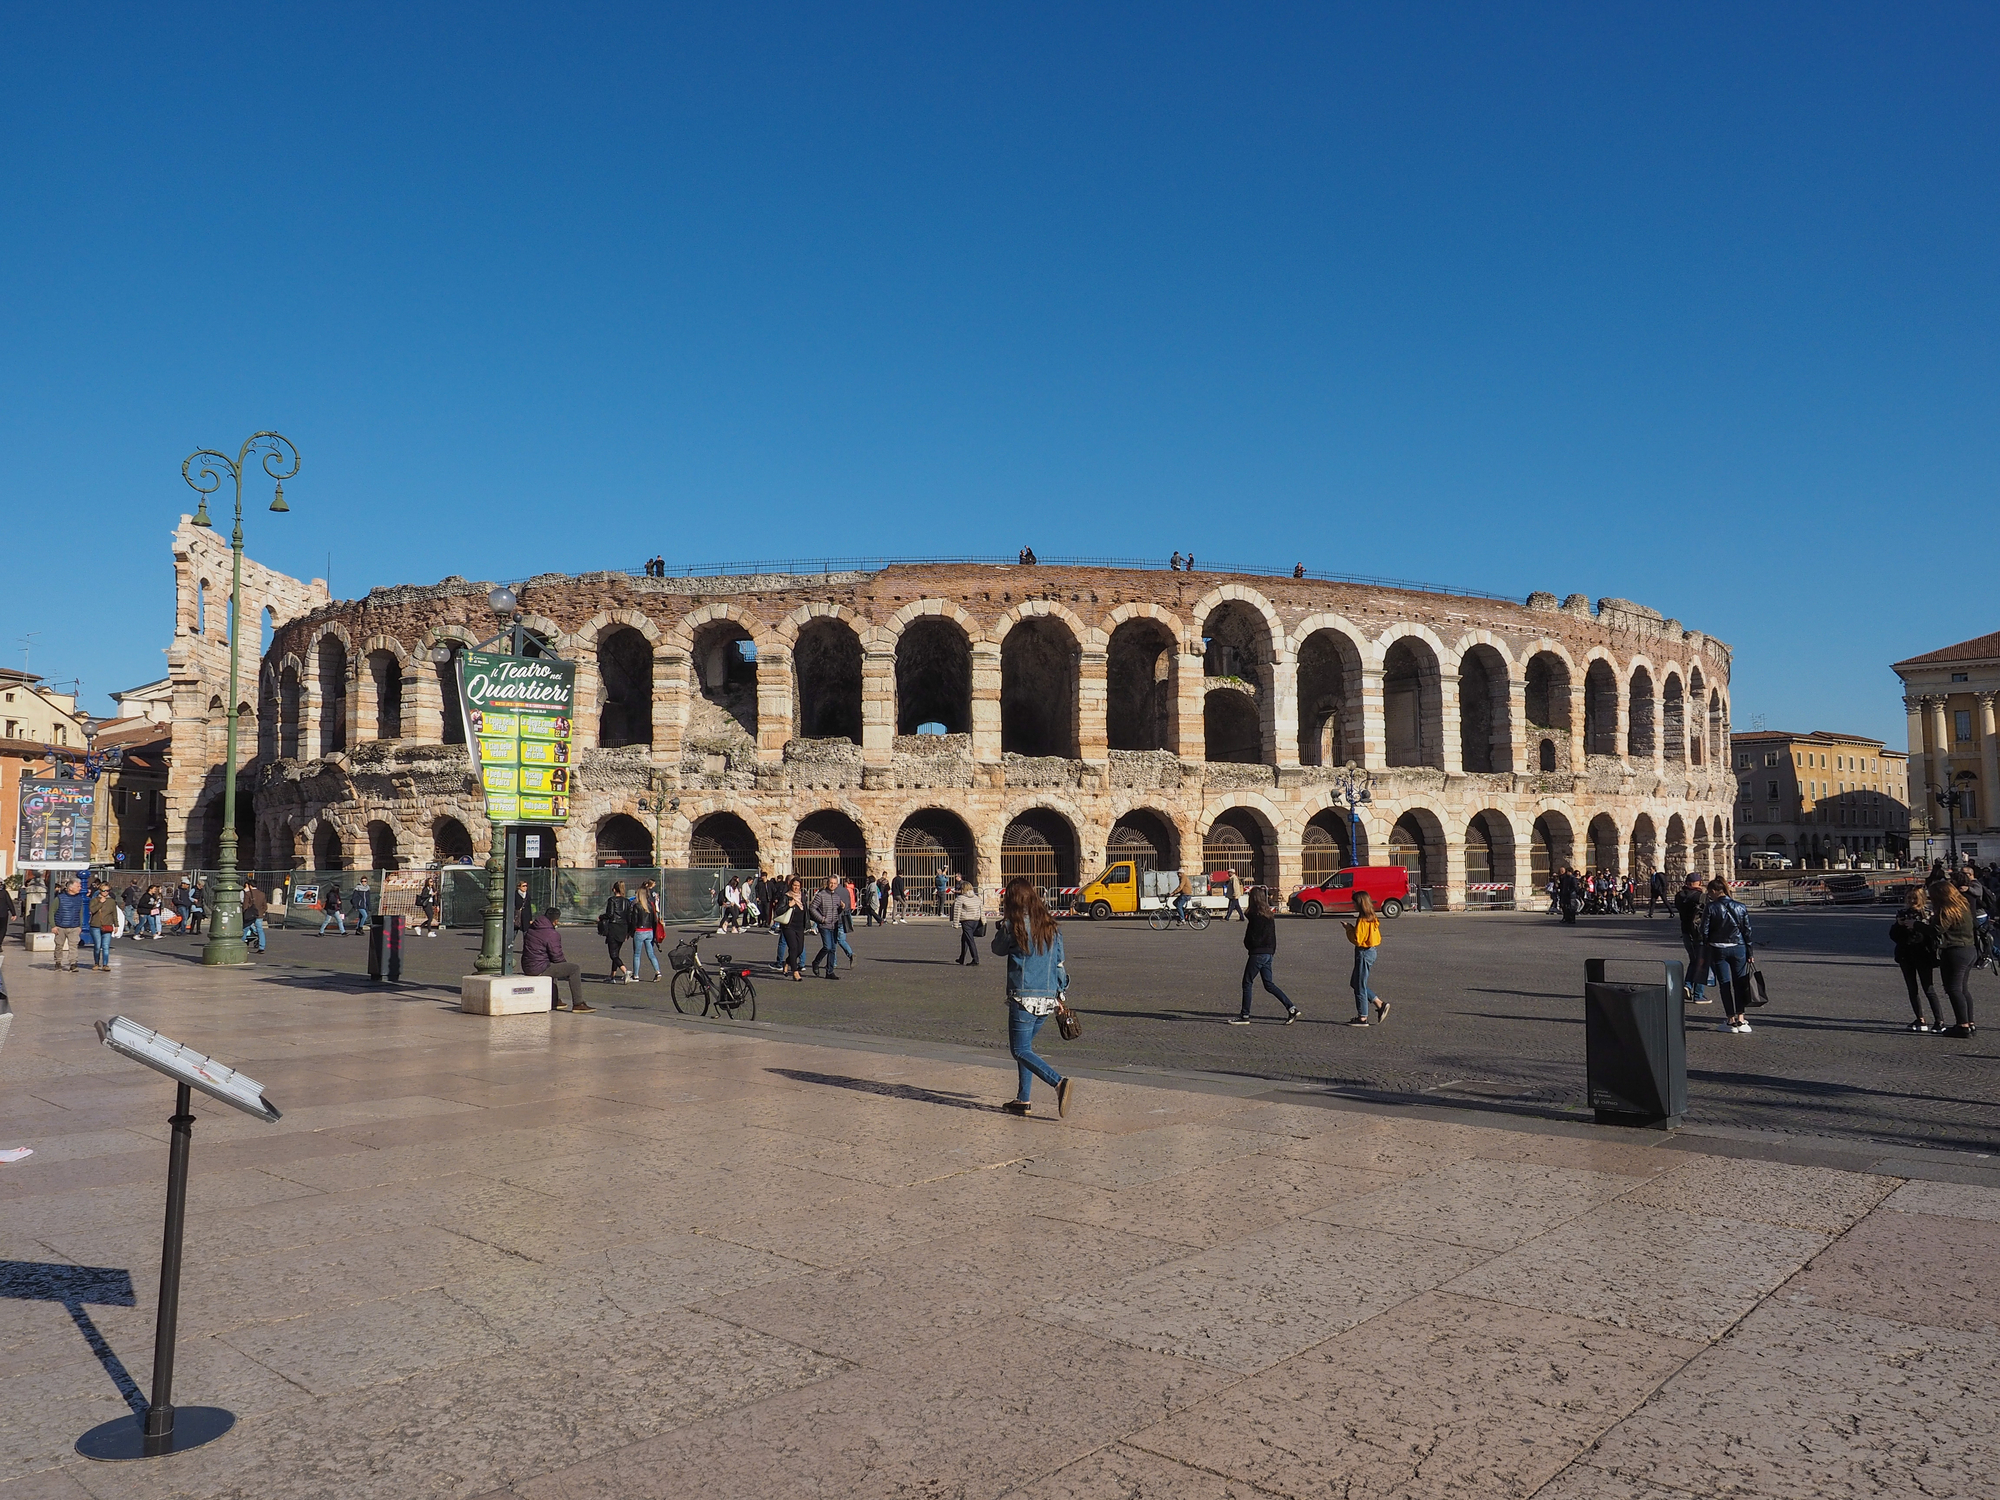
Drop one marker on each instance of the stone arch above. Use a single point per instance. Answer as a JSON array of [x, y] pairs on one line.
[[933, 840], [1486, 737], [934, 674], [621, 841], [1040, 842], [1702, 853], [1412, 698], [1676, 861], [329, 850], [291, 698], [1552, 846], [384, 849], [723, 647], [1326, 845], [1489, 860], [1147, 836], [1547, 679], [1232, 728], [456, 640], [1642, 730], [722, 841], [1241, 646], [383, 668], [1327, 811], [829, 842], [1142, 674], [625, 685], [1600, 706], [1330, 671], [1244, 838], [1673, 720], [1416, 842], [331, 652], [1601, 846], [451, 841], [827, 661], [1040, 662], [1643, 849], [1697, 717], [1718, 728]]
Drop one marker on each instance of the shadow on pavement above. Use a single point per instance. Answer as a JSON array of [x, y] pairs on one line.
[[72, 1286], [886, 1090]]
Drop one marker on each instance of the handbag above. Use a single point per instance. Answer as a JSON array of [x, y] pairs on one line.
[[1753, 993], [1067, 1021], [980, 930]]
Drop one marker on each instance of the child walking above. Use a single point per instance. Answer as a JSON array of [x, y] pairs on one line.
[[1365, 932]]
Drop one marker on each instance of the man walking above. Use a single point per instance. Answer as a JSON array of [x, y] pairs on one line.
[[104, 916], [968, 912], [1235, 889], [826, 907], [255, 905], [72, 911], [361, 904], [896, 897], [1656, 891], [1690, 906], [944, 890]]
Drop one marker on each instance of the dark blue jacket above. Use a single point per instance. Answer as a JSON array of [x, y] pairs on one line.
[[72, 911]]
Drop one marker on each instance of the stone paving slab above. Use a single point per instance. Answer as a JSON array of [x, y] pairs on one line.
[[608, 1255]]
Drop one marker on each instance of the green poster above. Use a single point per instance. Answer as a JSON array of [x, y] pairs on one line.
[[519, 728]]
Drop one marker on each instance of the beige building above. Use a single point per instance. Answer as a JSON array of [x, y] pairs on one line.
[[1819, 800], [35, 719], [1948, 696]]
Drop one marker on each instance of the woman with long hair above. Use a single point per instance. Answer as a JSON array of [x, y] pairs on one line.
[[1365, 932], [792, 923], [1727, 946], [1958, 944], [1260, 944], [1028, 940], [614, 926], [646, 931], [1915, 942]]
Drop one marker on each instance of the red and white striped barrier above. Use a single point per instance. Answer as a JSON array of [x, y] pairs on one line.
[[1488, 887]]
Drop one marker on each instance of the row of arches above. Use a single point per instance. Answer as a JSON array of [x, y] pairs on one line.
[[1233, 688]]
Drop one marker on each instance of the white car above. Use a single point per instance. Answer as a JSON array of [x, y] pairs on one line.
[[1769, 862]]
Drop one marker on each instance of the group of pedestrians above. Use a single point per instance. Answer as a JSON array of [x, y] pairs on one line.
[[1572, 893], [1944, 932]]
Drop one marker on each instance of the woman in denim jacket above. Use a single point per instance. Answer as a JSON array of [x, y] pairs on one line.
[[1028, 940]]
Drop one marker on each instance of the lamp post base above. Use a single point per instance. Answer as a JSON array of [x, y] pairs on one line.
[[126, 1437]]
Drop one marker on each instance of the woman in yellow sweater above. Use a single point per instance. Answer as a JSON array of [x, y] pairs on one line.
[[1365, 932]]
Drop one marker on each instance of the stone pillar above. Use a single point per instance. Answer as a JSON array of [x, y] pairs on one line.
[[774, 704], [878, 712], [1518, 759], [670, 670], [589, 701], [1451, 729], [986, 756], [1989, 763], [1281, 717], [423, 701], [1374, 721], [360, 686], [1940, 756], [1452, 897], [1291, 867], [1093, 697], [1190, 681], [1579, 753]]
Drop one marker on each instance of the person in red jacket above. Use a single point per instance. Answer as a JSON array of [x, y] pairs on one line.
[[541, 953]]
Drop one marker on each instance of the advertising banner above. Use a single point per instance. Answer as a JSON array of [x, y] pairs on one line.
[[55, 824], [519, 727]]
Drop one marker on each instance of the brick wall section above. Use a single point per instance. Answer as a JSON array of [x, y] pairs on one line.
[[777, 779]]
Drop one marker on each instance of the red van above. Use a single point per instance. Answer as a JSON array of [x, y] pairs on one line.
[[1387, 885]]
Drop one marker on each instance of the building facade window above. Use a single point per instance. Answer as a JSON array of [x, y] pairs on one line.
[[1962, 720]]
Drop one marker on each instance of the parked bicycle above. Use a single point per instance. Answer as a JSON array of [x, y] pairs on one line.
[[724, 991], [1163, 917]]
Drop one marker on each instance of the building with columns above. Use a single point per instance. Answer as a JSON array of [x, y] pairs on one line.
[[992, 720], [1948, 697]]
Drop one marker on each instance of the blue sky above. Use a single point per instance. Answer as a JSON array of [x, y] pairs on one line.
[[1690, 305]]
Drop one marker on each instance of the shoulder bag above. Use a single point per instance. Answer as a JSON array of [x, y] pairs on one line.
[[1067, 1021]]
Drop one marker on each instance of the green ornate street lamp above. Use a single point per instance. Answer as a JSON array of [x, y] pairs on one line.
[[204, 470]]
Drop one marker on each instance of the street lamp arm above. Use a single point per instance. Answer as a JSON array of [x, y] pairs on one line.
[[208, 471], [279, 449]]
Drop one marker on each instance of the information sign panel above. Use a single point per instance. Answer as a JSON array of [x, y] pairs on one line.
[[55, 823], [185, 1065], [520, 731]]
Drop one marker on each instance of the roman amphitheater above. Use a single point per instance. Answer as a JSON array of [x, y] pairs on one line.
[[990, 719]]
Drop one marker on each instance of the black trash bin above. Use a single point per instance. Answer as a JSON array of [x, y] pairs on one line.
[[385, 948], [1635, 1041]]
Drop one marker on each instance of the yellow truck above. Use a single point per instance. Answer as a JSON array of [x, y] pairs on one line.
[[1125, 890]]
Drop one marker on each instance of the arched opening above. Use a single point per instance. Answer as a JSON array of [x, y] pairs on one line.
[[934, 842], [829, 843], [328, 853], [1545, 702], [1139, 687], [1673, 721], [1553, 848], [624, 843], [722, 841], [332, 695], [267, 714], [290, 696], [1601, 847], [1412, 705], [1240, 840], [725, 669], [1323, 848], [1701, 853], [1644, 850], [451, 711], [1485, 736], [625, 678], [534, 845], [386, 673], [450, 843], [933, 676], [1417, 844], [1145, 837], [1232, 729], [1639, 736], [1676, 865], [1600, 709], [1236, 642], [1041, 845], [1329, 700], [1038, 697], [1489, 861], [1718, 729], [382, 852], [826, 663]]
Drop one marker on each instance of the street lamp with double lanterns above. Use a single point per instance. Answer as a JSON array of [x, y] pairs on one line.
[[1356, 788], [1947, 798], [204, 470]]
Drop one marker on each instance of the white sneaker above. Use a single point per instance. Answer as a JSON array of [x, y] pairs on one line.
[[1741, 1028]]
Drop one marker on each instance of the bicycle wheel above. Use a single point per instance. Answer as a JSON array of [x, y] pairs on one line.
[[739, 1000], [1197, 919], [1160, 920], [690, 995]]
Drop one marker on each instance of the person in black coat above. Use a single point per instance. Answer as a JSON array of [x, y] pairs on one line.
[[1915, 943], [1260, 942]]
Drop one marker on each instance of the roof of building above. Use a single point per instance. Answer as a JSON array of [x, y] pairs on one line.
[[1979, 648], [1827, 736]]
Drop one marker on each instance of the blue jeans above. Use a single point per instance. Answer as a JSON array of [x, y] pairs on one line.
[[1021, 1029], [1259, 965], [1364, 961], [100, 942], [1725, 967], [1697, 970], [644, 951], [253, 932], [332, 917], [829, 946], [840, 937]]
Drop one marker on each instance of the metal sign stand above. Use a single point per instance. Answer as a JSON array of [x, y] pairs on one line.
[[165, 1429]]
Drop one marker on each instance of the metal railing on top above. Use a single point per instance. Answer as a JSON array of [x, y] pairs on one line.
[[821, 566]]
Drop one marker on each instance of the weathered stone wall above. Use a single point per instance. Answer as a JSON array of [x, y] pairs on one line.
[[726, 736]]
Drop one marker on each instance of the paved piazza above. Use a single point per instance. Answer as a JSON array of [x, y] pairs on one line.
[[630, 1254]]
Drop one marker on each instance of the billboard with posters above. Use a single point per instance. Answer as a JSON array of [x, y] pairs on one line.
[[520, 730], [54, 831]]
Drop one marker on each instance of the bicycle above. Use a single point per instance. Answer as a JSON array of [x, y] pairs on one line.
[[725, 991], [1163, 917]]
